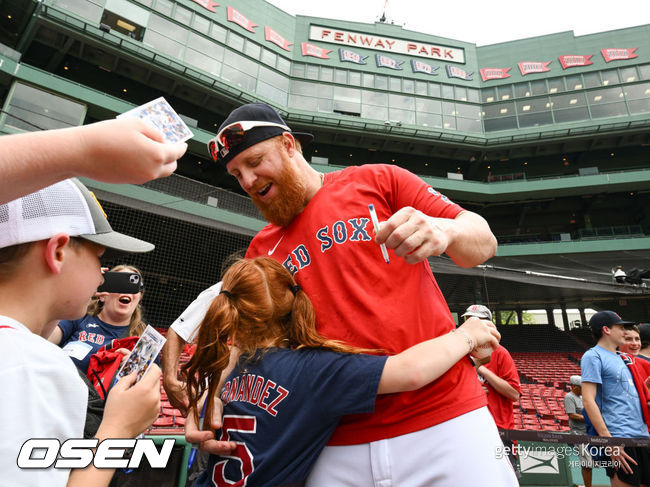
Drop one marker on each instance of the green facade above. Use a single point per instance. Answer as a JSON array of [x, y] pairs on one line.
[[556, 161]]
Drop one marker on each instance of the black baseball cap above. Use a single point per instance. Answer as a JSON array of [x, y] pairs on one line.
[[609, 319], [257, 112]]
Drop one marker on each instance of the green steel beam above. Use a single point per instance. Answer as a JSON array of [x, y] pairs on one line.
[[574, 247], [150, 198], [476, 191]]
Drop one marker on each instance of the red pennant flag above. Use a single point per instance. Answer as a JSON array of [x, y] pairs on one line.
[[207, 4], [572, 60], [272, 36], [494, 73], [613, 54], [528, 67], [313, 50], [239, 19]]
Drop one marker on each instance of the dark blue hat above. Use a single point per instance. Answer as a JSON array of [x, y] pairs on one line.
[[608, 319], [257, 112]]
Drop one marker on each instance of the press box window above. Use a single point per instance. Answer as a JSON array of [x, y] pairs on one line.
[[122, 25]]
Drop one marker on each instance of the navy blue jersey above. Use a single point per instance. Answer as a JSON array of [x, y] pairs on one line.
[[281, 410], [83, 337]]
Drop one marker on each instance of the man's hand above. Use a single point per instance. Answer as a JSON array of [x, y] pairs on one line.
[[176, 393], [415, 236], [205, 439]]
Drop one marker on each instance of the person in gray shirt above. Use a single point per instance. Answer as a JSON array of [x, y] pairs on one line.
[[573, 408]]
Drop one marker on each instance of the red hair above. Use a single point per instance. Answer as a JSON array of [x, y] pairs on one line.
[[259, 307]]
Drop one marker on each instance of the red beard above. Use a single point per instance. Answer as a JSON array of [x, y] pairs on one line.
[[289, 201]]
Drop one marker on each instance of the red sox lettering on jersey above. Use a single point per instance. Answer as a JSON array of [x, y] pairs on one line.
[[352, 230], [256, 390], [91, 337]]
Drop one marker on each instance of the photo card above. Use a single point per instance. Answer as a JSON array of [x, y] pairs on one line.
[[143, 354], [159, 114]]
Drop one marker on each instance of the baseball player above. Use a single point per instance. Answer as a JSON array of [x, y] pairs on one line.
[[320, 230]]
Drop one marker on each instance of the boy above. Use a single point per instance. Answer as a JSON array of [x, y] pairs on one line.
[[50, 245], [611, 399]]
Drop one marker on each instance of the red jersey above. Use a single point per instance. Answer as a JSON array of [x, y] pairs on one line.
[[358, 298], [501, 407]]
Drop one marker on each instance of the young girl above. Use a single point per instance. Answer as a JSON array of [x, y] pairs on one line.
[[110, 316], [289, 386]]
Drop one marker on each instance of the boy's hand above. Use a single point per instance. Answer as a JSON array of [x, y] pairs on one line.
[[131, 408], [622, 460], [127, 150]]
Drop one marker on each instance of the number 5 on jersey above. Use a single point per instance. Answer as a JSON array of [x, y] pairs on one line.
[[241, 455]]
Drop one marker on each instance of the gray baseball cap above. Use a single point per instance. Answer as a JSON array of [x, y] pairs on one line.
[[575, 380], [480, 311]]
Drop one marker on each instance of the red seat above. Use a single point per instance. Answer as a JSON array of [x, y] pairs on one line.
[[163, 421], [171, 412]]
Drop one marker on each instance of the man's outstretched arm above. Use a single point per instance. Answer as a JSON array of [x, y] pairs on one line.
[[175, 389]]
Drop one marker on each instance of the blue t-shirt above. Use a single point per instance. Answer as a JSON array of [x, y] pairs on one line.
[[616, 394], [83, 337], [282, 408]]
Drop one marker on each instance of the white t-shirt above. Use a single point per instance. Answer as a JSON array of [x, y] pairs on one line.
[[187, 324], [42, 397]]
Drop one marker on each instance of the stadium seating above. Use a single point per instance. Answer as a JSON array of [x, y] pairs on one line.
[[544, 379], [544, 383]]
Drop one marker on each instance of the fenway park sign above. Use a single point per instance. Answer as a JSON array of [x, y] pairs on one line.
[[386, 44]]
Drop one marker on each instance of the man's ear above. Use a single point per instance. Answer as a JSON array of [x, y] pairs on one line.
[[55, 251], [289, 143], [607, 330]]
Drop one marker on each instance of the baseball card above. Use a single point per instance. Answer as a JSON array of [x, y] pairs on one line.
[[159, 114], [143, 354]]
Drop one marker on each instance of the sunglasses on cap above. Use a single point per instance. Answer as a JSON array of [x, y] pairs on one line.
[[233, 135]]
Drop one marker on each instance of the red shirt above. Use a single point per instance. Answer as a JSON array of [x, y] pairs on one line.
[[500, 407], [365, 302]]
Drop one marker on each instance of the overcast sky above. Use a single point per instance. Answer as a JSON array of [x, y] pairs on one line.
[[483, 22]]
